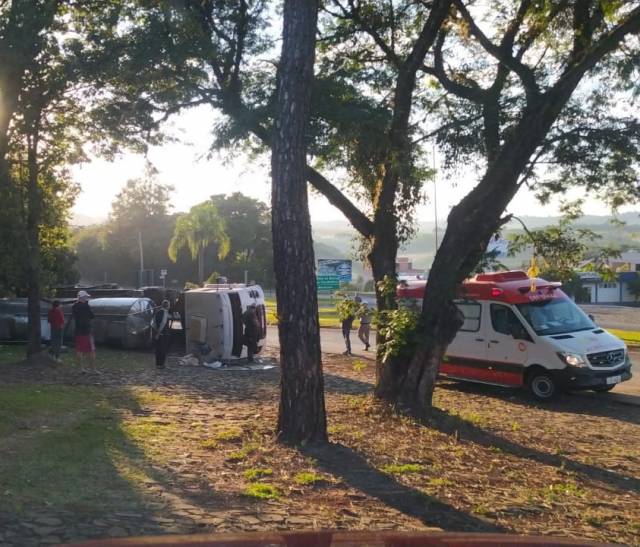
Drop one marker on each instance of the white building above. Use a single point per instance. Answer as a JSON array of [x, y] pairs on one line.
[[609, 292]]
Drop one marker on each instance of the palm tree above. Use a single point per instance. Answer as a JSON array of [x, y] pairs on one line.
[[196, 230]]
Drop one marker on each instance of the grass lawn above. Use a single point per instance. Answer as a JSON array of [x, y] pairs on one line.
[[77, 447], [326, 311], [133, 452], [630, 337]]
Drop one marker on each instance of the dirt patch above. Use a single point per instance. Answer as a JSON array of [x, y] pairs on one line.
[[206, 460]]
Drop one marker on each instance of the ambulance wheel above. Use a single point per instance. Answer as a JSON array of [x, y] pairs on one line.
[[542, 384]]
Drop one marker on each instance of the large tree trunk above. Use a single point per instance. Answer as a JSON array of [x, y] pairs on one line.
[[34, 206], [301, 415], [382, 258]]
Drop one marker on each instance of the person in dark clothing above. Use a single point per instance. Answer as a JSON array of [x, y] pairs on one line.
[[251, 331], [347, 324], [83, 317], [56, 321], [162, 333]]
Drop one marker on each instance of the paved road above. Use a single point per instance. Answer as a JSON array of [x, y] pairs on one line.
[[614, 317], [332, 342]]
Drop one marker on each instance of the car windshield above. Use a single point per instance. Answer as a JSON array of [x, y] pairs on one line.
[[555, 316]]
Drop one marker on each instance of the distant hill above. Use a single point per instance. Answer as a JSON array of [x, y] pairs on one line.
[[339, 235]]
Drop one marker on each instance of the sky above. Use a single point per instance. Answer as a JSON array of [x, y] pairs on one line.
[[185, 165]]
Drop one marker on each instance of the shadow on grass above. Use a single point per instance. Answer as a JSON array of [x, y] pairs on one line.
[[74, 451], [462, 429], [351, 466], [598, 405]]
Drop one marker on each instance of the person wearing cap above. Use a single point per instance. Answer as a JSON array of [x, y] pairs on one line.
[[162, 333], [83, 317], [56, 322]]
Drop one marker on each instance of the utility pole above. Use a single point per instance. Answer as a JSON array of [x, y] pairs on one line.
[[435, 194], [141, 258]]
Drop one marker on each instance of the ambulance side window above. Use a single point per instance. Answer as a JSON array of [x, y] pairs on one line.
[[471, 312], [504, 321]]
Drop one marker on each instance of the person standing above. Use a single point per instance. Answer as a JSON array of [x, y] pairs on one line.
[[251, 331], [365, 325], [348, 317], [83, 318], [56, 323], [162, 333]]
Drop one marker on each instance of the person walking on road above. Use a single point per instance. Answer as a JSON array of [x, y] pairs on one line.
[[83, 317], [365, 324], [347, 314], [161, 326], [56, 322]]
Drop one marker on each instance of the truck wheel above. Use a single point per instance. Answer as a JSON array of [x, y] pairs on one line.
[[542, 384]]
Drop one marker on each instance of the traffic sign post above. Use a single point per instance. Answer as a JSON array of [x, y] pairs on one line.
[[163, 276]]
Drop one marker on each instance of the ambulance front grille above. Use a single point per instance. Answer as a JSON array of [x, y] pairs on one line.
[[606, 358]]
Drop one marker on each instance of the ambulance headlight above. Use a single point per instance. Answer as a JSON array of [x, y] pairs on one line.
[[572, 359]]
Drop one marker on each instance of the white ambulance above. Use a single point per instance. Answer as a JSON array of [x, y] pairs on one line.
[[522, 332]]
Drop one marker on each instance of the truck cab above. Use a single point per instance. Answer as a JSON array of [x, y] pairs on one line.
[[522, 332]]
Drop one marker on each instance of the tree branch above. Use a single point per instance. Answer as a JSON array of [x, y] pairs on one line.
[[427, 37], [505, 54], [473, 93], [354, 215], [584, 60], [357, 218], [353, 13], [450, 125]]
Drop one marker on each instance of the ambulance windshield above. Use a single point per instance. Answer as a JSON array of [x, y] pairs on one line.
[[555, 316]]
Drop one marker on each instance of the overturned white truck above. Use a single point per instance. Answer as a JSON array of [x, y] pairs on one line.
[[213, 318]]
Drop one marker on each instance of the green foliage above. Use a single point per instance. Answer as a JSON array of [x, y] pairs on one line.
[[229, 435], [256, 473], [209, 444], [307, 478], [140, 201], [561, 492], [197, 229], [262, 491], [403, 469], [398, 329], [248, 226], [562, 249], [347, 307], [110, 252], [359, 365], [439, 481]]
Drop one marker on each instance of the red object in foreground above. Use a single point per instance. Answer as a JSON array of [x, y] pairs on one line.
[[338, 539]]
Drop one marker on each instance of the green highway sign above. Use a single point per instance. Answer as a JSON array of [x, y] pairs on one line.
[[328, 282]]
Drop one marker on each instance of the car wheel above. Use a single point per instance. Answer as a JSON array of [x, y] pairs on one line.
[[603, 389], [542, 385]]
